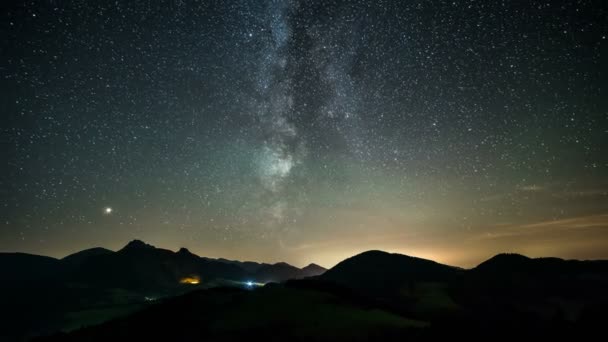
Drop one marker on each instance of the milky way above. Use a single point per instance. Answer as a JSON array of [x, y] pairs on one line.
[[281, 147], [306, 131]]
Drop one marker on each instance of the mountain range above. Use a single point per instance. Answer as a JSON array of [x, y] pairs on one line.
[[142, 267], [374, 295], [92, 285]]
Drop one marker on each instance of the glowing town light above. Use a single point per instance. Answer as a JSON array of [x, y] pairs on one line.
[[193, 280], [107, 210], [249, 284]]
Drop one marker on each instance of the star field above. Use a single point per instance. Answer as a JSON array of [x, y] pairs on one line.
[[306, 131]]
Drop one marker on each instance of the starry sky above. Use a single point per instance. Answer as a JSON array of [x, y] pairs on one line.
[[306, 131]]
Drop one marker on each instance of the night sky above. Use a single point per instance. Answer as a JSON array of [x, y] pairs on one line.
[[306, 131]]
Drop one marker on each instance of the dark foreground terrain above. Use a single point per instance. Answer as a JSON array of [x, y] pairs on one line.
[[371, 296], [312, 311], [41, 295]]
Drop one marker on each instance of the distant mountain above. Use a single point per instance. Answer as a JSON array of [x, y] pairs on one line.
[[277, 273], [102, 283], [137, 245], [313, 270], [139, 266], [143, 267], [506, 264], [516, 278], [249, 266], [382, 271]]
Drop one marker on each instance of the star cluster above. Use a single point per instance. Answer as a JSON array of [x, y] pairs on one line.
[[306, 130]]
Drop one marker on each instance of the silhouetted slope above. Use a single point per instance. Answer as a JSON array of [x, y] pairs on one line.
[[136, 266], [21, 267], [282, 271], [249, 266], [74, 261], [517, 278], [136, 245], [273, 313], [381, 271], [506, 264]]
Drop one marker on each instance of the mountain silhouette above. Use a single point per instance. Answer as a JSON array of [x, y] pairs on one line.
[[139, 266], [142, 267], [508, 264], [282, 271], [98, 279], [74, 261], [276, 272], [382, 296], [23, 267], [382, 271], [519, 280], [249, 266], [373, 295], [136, 245]]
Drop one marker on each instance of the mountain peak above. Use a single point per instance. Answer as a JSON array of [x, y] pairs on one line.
[[510, 255], [137, 245], [313, 270], [184, 251], [504, 261], [513, 257], [86, 253], [313, 266], [363, 271], [374, 252]]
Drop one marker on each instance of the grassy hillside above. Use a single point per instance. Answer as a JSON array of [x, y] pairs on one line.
[[270, 312]]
